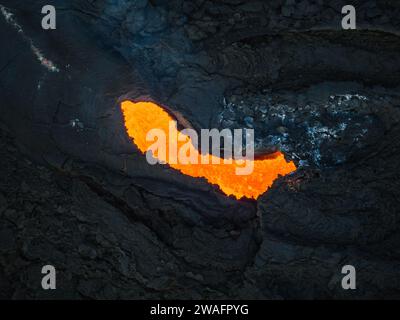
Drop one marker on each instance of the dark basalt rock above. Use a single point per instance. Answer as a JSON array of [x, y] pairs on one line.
[[77, 194]]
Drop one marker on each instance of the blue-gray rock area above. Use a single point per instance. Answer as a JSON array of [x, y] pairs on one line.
[[76, 193]]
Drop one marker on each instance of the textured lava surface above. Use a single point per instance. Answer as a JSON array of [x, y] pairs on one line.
[[75, 192]]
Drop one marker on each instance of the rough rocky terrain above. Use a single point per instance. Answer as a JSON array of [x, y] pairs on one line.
[[77, 194]]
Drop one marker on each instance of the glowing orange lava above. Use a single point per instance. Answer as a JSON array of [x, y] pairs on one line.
[[141, 117]]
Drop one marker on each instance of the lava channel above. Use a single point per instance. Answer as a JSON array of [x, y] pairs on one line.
[[141, 117]]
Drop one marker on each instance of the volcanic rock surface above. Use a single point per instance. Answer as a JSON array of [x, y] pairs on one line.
[[77, 194]]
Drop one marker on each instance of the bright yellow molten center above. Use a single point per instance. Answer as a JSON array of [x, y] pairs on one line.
[[141, 117]]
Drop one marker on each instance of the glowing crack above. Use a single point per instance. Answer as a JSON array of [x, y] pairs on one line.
[[141, 117]]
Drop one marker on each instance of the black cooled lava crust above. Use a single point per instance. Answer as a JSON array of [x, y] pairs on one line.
[[76, 193]]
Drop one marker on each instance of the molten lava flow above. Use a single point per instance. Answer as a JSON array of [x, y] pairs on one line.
[[142, 117]]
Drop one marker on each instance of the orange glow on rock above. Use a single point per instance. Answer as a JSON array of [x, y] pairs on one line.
[[141, 117]]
